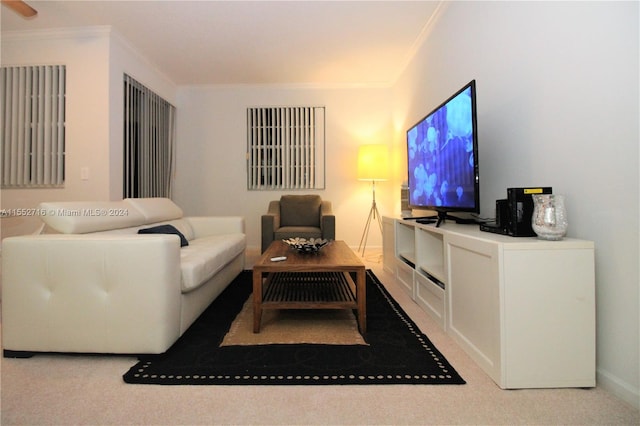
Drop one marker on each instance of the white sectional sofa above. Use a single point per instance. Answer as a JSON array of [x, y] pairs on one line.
[[90, 283]]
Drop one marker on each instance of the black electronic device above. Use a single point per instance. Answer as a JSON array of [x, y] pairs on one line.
[[501, 224], [494, 228], [502, 213], [520, 209], [513, 214], [442, 157]]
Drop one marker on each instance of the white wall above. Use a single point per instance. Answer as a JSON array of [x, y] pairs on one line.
[[85, 54], [95, 59], [211, 163], [557, 88]]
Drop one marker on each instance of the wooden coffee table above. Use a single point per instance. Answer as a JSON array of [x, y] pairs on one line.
[[309, 281]]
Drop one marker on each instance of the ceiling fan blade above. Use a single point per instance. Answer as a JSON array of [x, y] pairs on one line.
[[21, 7]]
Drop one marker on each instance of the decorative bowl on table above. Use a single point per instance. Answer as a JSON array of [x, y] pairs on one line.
[[302, 245]]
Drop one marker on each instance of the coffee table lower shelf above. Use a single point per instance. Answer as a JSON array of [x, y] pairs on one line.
[[333, 279], [313, 290]]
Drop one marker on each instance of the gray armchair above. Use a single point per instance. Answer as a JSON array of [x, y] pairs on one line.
[[305, 216]]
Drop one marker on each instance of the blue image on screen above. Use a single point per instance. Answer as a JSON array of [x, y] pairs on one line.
[[441, 159]]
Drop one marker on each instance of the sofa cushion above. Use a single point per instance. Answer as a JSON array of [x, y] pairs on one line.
[[204, 257], [300, 210], [307, 232], [155, 209], [165, 229], [81, 217]]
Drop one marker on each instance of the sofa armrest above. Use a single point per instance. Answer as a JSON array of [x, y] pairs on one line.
[[204, 226], [90, 293], [327, 221]]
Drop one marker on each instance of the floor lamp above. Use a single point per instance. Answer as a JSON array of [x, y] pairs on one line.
[[373, 165]]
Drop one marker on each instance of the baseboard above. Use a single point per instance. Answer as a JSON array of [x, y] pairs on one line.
[[618, 388]]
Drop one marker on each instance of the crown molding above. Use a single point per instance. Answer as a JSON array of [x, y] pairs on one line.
[[422, 37], [285, 86], [58, 33]]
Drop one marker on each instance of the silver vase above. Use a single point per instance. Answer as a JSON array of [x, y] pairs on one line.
[[549, 219]]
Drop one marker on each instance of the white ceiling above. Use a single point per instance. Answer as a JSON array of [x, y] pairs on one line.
[[254, 42]]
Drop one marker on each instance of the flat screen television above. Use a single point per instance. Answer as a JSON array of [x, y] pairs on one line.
[[442, 158]]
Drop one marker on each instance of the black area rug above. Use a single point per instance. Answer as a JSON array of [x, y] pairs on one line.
[[398, 353]]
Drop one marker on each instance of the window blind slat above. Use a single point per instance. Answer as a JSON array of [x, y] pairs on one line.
[[20, 127], [312, 154], [297, 159], [60, 149], [47, 127], [51, 156]]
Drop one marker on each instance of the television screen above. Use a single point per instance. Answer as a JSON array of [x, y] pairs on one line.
[[442, 153]]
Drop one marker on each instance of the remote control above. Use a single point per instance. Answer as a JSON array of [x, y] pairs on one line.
[[278, 259]]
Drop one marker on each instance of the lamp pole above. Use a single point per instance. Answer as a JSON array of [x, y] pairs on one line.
[[373, 214], [373, 165]]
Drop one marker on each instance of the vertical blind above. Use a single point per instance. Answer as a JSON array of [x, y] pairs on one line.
[[285, 148], [149, 127], [33, 126]]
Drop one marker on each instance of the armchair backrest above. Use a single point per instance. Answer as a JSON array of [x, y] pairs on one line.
[[300, 210]]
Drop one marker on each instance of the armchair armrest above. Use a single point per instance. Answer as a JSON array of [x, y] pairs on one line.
[[269, 223]]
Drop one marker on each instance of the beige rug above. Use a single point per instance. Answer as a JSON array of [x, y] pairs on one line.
[[323, 326]]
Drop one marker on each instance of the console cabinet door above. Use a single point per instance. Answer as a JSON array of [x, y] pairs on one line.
[[474, 299], [549, 313]]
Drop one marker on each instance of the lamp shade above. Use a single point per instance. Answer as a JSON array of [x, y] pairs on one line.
[[373, 162]]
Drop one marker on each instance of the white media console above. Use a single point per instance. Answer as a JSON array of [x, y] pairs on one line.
[[522, 308]]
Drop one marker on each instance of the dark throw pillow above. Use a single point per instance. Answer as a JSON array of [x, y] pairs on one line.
[[165, 229]]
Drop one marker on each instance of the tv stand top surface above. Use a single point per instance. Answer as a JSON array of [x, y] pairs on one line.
[[512, 242]]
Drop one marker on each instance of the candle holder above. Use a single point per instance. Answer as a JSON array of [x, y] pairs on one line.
[[549, 219]]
